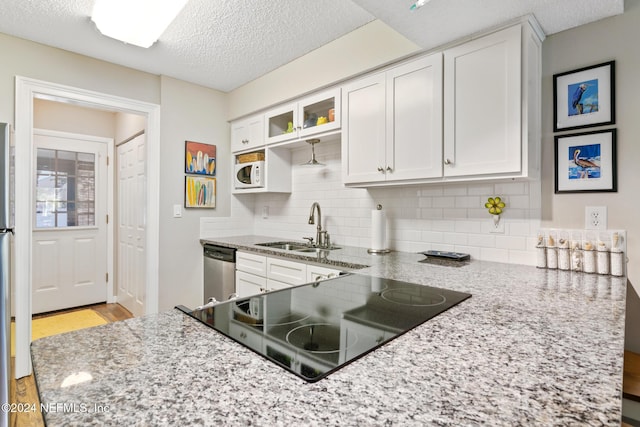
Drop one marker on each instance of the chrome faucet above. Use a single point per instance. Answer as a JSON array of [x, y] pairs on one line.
[[321, 235]]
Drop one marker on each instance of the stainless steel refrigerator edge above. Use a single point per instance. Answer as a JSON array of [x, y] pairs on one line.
[[6, 231]]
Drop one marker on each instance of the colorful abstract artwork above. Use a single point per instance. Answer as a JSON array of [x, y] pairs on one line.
[[200, 159], [199, 192]]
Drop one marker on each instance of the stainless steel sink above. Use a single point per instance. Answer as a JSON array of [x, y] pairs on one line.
[[287, 246], [295, 246]]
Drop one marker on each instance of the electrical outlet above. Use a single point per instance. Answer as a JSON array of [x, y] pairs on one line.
[[595, 217]]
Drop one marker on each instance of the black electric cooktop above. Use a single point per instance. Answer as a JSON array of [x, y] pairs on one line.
[[313, 330]]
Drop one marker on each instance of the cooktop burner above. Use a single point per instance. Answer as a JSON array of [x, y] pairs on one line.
[[413, 296], [316, 337], [313, 330]]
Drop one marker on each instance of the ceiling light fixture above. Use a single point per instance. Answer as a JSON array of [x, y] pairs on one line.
[[418, 4], [137, 22], [313, 161]]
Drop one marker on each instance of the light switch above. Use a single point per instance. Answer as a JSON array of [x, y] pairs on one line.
[[177, 211]]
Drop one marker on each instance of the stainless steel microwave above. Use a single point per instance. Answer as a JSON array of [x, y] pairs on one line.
[[249, 175]]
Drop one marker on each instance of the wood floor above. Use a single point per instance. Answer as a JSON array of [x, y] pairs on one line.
[[24, 391]]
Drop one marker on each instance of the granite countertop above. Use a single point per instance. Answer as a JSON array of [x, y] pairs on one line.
[[530, 347]]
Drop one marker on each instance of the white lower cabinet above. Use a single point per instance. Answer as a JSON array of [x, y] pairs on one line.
[[289, 272], [251, 263], [257, 274], [275, 285], [249, 337], [249, 284], [356, 338], [316, 273]]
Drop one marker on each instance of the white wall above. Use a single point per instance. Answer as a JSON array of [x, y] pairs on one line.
[[62, 117], [28, 59], [369, 46], [192, 113], [188, 112], [128, 125], [616, 39]]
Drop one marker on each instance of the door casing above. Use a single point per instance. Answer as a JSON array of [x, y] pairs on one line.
[[26, 91]]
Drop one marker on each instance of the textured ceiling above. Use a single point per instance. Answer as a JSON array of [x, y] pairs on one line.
[[224, 44], [442, 21]]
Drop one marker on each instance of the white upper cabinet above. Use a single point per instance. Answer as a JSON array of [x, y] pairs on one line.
[[393, 124], [364, 130], [414, 139], [247, 133], [468, 113], [312, 115], [483, 81]]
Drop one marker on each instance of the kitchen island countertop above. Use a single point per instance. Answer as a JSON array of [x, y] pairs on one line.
[[530, 347]]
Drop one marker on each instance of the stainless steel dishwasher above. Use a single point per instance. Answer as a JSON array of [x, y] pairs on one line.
[[219, 272]]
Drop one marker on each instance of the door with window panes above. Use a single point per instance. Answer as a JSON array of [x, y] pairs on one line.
[[70, 221]]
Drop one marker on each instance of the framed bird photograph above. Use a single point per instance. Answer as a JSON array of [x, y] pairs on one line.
[[586, 162], [584, 97]]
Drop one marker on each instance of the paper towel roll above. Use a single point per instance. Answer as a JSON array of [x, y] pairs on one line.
[[378, 229]]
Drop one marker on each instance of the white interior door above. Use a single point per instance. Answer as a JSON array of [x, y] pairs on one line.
[[131, 276], [70, 257]]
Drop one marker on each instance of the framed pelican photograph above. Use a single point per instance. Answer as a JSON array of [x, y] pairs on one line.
[[584, 97], [586, 162]]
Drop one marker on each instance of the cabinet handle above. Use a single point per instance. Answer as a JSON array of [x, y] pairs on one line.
[[389, 169], [380, 169], [448, 162], [245, 141], [243, 335]]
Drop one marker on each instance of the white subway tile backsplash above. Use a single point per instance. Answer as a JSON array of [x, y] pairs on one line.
[[517, 243], [455, 190], [444, 202], [454, 213], [420, 217], [485, 190], [432, 190], [468, 227], [517, 202], [492, 254], [444, 225], [509, 188]]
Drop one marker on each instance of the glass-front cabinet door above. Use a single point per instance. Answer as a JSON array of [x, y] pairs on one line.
[[310, 116], [320, 113], [282, 123]]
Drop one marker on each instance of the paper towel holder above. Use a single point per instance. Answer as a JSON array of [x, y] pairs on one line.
[[378, 251]]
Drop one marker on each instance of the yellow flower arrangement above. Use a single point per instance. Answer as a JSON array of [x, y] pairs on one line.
[[495, 205]]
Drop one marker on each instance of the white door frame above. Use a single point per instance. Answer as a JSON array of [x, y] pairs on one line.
[[26, 91], [109, 196]]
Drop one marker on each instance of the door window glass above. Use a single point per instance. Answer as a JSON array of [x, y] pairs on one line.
[[65, 189]]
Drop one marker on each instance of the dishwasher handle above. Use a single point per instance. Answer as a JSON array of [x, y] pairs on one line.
[[220, 253]]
